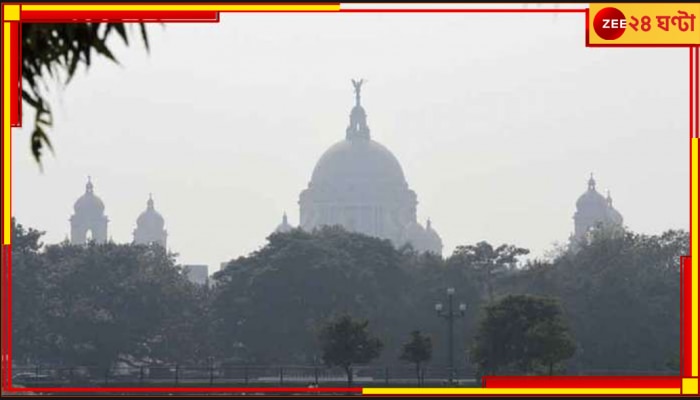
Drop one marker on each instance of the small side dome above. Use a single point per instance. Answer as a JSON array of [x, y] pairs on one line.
[[284, 226], [591, 199], [414, 234], [150, 218], [615, 216], [89, 203], [434, 241]]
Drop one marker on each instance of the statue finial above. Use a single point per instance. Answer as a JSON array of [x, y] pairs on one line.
[[591, 182], [88, 186], [358, 88], [150, 200]]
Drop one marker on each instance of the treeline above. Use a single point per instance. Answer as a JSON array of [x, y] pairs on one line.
[[97, 305]]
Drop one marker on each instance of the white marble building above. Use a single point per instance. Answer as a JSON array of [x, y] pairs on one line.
[[593, 210], [359, 184]]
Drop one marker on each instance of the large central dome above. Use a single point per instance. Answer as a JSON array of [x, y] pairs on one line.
[[357, 161], [359, 184]]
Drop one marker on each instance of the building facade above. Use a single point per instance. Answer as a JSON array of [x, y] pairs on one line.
[[284, 226], [359, 184], [593, 210], [88, 222], [150, 226]]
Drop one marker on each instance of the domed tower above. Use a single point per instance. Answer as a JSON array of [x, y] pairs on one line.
[[284, 226], [88, 221], [434, 241], [150, 226], [592, 209], [422, 239], [359, 184], [614, 215]]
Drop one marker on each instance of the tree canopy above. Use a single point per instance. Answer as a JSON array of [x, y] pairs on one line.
[[617, 295], [522, 332], [274, 300], [95, 305], [488, 262], [346, 342], [418, 350]]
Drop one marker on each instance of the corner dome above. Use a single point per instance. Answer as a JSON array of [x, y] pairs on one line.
[[415, 234], [615, 215], [89, 203], [432, 234], [150, 217], [284, 226], [591, 199], [358, 161]]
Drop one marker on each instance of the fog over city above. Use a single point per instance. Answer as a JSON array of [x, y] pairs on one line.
[[497, 121]]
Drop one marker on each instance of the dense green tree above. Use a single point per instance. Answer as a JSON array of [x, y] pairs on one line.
[[29, 327], [418, 350], [551, 342], [273, 301], [110, 302], [488, 262], [186, 330], [98, 304], [622, 294], [522, 332], [346, 341]]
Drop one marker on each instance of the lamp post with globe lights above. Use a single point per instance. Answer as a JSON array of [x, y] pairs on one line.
[[450, 315]]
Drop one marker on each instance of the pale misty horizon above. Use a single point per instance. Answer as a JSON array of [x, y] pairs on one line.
[[497, 121]]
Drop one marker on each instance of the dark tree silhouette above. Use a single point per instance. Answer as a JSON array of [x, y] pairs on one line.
[[346, 342], [418, 350], [523, 332], [489, 263]]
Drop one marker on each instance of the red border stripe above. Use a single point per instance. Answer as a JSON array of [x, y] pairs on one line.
[[120, 16], [5, 324], [686, 333], [14, 76], [8, 268], [197, 389], [638, 382]]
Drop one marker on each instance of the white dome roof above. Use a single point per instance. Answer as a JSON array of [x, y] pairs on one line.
[[88, 203], [356, 161], [284, 225], [591, 200], [150, 218]]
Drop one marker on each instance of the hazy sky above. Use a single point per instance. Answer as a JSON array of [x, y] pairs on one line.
[[497, 120]]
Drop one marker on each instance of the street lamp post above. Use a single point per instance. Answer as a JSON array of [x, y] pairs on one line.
[[450, 316]]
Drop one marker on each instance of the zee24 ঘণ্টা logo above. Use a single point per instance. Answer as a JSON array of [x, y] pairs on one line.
[[610, 23]]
